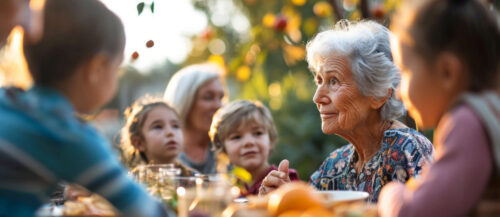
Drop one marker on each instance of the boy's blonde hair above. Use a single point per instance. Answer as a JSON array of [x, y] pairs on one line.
[[231, 116], [135, 116]]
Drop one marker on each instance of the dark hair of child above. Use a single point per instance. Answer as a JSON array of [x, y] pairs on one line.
[[66, 43], [464, 28]]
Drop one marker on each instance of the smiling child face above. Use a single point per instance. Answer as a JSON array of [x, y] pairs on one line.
[[248, 146]]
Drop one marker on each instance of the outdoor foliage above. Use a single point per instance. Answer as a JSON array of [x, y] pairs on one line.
[[261, 44], [266, 62]]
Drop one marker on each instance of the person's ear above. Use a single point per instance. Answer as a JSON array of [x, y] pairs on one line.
[[450, 72], [376, 103], [138, 144], [95, 68]]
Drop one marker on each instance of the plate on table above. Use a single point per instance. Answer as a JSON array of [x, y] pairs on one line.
[[343, 196]]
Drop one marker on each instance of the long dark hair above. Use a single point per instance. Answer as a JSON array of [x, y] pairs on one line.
[[74, 31]]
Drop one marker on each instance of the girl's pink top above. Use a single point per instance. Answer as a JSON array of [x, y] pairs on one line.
[[455, 182]]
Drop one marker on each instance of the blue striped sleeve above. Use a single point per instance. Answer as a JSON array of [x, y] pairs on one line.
[[107, 177]]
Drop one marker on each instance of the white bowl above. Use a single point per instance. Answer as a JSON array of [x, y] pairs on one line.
[[343, 196]]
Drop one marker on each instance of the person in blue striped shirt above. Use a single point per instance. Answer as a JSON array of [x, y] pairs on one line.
[[74, 67]]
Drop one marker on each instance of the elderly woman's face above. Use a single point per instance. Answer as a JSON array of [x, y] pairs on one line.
[[341, 105]]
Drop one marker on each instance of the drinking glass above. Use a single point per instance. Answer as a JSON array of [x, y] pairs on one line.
[[210, 195], [159, 179]]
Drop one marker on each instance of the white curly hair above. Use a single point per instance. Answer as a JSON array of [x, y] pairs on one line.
[[366, 44]]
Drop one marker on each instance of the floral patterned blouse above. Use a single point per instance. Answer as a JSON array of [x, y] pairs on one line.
[[404, 151]]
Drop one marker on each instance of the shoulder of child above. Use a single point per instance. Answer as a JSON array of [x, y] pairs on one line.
[[463, 124], [464, 114]]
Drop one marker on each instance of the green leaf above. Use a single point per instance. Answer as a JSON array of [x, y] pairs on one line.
[[152, 6], [140, 8]]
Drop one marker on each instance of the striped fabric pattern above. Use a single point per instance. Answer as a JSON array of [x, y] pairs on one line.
[[43, 143]]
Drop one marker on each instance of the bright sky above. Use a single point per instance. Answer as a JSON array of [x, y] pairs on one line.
[[169, 27]]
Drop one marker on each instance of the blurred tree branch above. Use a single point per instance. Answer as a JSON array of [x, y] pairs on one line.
[[337, 9], [364, 8]]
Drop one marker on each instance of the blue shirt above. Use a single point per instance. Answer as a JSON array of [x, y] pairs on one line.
[[43, 143], [403, 153]]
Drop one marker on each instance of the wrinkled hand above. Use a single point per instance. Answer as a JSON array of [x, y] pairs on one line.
[[275, 178]]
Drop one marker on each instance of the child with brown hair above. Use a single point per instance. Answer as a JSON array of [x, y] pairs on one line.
[[152, 135], [245, 132], [449, 51], [42, 143]]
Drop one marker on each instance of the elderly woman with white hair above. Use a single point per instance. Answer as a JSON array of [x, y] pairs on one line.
[[196, 92], [356, 81]]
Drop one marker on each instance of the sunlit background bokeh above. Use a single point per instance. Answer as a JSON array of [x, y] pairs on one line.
[[260, 44]]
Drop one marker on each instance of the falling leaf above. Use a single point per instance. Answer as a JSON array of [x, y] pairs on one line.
[[135, 55], [140, 8], [150, 44], [152, 6]]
